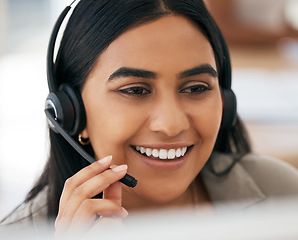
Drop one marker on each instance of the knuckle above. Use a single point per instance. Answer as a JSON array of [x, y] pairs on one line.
[[69, 183], [93, 168], [78, 193], [106, 177], [111, 206], [88, 205]]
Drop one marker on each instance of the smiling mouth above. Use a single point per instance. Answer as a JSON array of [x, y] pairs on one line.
[[162, 154]]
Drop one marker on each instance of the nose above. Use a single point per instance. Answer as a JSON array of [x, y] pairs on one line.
[[169, 116]]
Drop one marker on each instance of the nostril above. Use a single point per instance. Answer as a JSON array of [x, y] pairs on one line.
[[169, 117]]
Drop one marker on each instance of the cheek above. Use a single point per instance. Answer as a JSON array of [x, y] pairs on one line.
[[206, 120], [211, 121], [110, 125], [207, 117]]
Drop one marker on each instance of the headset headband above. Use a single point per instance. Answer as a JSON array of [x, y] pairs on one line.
[[52, 84], [71, 113]]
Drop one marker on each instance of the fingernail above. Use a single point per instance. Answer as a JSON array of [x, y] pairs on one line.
[[105, 160], [120, 168]]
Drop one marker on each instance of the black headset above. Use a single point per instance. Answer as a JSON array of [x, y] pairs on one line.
[[64, 105], [65, 102], [229, 115]]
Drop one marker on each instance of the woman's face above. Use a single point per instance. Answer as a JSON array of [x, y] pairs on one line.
[[153, 102]]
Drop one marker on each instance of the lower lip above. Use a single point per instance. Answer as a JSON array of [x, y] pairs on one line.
[[168, 165]]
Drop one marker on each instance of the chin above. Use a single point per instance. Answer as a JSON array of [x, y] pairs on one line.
[[163, 195]]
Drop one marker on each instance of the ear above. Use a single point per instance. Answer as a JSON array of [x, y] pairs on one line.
[[85, 134]]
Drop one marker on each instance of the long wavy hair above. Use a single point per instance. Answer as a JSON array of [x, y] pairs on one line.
[[92, 27]]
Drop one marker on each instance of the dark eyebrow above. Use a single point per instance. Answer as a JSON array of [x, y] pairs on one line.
[[132, 72], [205, 68]]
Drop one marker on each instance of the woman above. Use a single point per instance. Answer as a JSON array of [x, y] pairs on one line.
[[150, 75]]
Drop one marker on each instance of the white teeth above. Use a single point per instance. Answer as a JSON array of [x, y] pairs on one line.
[[143, 150], [171, 154], [184, 149], [162, 153], [155, 153], [178, 152], [148, 152]]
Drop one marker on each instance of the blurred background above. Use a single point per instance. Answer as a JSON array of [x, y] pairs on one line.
[[263, 39]]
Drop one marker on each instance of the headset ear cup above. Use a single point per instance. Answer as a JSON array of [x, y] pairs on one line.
[[229, 109], [79, 114], [61, 105]]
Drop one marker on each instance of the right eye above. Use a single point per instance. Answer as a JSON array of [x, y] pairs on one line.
[[135, 91]]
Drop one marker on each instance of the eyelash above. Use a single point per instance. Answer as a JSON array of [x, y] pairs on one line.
[[135, 91], [199, 89], [129, 91]]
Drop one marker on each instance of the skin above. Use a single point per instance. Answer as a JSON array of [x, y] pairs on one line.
[[168, 109]]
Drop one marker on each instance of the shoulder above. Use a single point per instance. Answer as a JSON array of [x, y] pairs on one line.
[[248, 179], [29, 215], [273, 176]]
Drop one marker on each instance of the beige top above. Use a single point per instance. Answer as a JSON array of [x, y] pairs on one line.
[[252, 180]]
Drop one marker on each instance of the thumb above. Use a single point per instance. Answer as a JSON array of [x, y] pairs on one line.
[[114, 193]]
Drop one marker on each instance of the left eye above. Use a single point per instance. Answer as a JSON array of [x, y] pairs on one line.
[[195, 89], [135, 91]]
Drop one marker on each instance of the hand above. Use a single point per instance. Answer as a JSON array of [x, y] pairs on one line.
[[77, 209]]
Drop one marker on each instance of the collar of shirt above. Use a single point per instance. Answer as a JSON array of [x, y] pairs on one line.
[[237, 188]]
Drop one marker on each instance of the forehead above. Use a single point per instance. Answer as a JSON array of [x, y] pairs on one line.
[[171, 41]]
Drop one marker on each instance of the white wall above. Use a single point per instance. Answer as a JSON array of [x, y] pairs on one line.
[[23, 89]]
